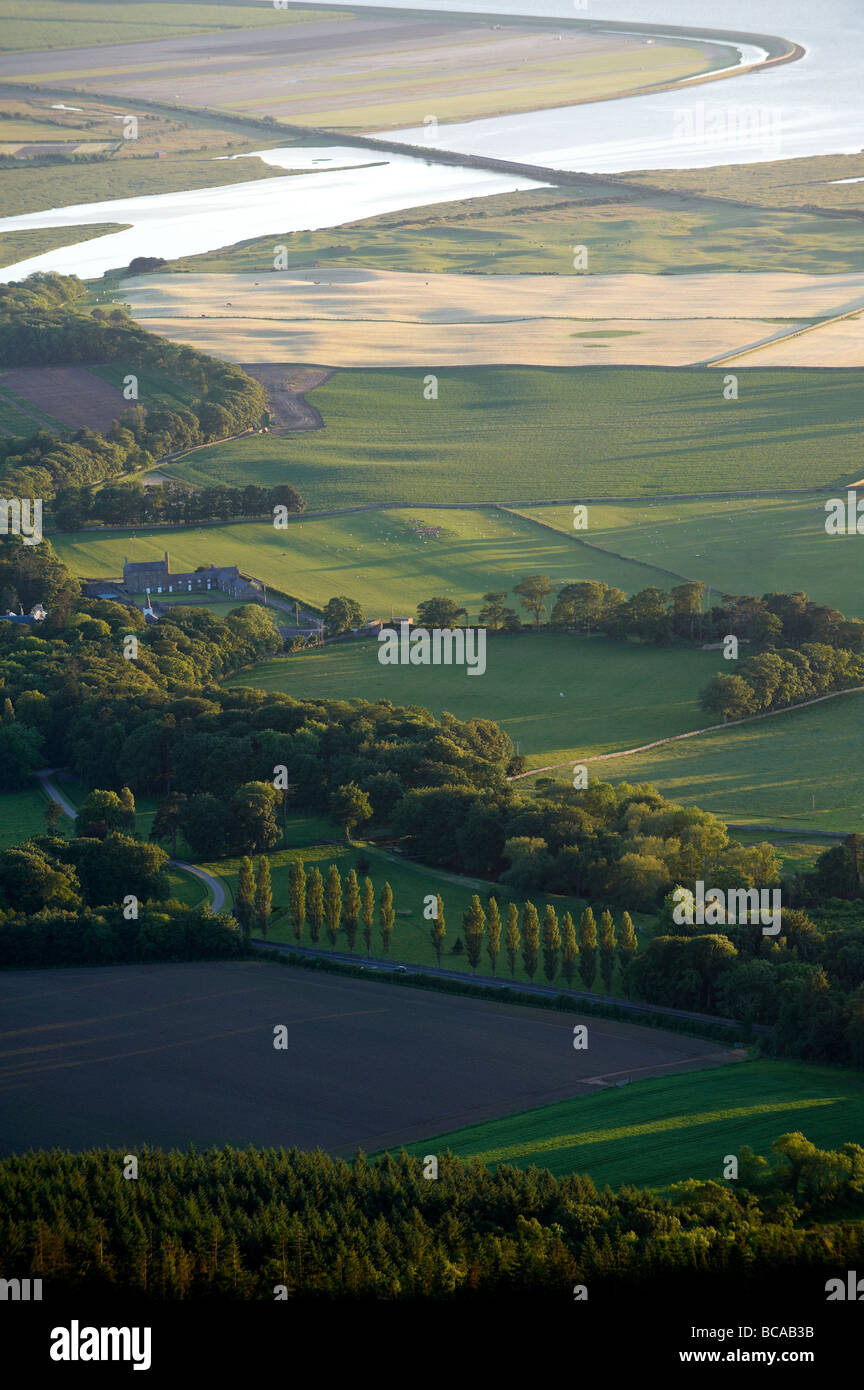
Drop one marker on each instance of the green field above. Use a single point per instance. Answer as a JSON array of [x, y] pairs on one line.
[[559, 697], [742, 546], [222, 607], [778, 184], [796, 856], [375, 557], [22, 815], [410, 883], [156, 389], [17, 417], [34, 188], [50, 24], [656, 1132], [533, 232], [20, 246], [765, 773], [523, 434]]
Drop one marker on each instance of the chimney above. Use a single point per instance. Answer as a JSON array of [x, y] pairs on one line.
[[167, 562]]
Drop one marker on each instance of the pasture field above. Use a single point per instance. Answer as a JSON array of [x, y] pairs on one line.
[[376, 557], [756, 545], [517, 435], [800, 768], [22, 815], [809, 183], [558, 697], [669, 1129], [411, 883], [195, 1061], [531, 232]]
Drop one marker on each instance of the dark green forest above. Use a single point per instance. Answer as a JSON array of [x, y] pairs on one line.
[[267, 1223]]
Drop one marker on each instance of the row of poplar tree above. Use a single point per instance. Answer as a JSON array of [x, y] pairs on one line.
[[555, 942], [329, 905]]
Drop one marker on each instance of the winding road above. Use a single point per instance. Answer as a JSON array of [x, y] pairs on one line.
[[214, 886]]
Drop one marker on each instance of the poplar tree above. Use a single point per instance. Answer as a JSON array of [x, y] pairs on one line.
[[263, 895], [351, 908], [127, 801], [53, 812], [332, 904], [438, 929], [245, 905], [551, 943], [386, 917], [530, 939], [474, 925], [512, 938], [569, 949], [493, 928], [587, 948], [315, 903], [368, 913], [297, 898], [607, 950], [626, 947]]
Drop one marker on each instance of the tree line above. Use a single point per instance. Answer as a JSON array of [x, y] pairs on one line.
[[653, 615], [161, 931], [133, 504], [257, 1224]]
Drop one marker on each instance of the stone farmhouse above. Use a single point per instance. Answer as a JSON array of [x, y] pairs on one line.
[[156, 577]]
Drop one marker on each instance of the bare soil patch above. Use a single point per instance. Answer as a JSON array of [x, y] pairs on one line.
[[286, 386], [72, 395]]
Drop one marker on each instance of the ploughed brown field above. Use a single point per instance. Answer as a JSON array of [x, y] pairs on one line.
[[72, 395], [177, 1054]]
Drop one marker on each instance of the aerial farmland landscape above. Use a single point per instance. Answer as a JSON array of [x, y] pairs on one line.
[[431, 675]]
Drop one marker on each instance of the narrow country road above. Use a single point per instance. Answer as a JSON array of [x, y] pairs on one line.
[[214, 886], [374, 964]]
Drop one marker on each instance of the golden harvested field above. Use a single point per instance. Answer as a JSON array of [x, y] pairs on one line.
[[839, 344], [359, 293], [529, 342], [356, 317]]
